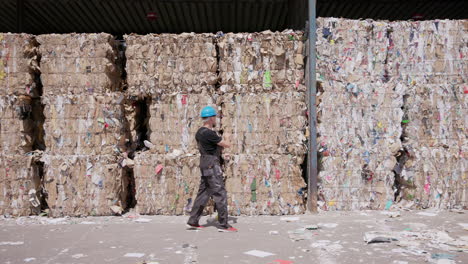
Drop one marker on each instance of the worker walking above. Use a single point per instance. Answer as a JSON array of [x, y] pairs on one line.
[[210, 145]]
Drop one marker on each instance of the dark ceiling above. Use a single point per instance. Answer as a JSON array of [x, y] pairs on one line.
[[176, 16]]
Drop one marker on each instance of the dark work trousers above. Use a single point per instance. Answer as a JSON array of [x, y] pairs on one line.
[[210, 186]]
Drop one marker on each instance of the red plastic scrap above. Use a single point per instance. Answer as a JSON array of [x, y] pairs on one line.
[[159, 168], [281, 261], [277, 174]]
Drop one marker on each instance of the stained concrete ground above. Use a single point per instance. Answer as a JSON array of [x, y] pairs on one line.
[[163, 239]]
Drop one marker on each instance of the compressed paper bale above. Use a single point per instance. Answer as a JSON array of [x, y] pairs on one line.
[[166, 184], [436, 138], [167, 63], [348, 50], [82, 185], [265, 123], [79, 64], [437, 175], [174, 120], [18, 130], [429, 48], [266, 59], [430, 56], [277, 188], [19, 176], [359, 114], [18, 64], [85, 125], [356, 189]]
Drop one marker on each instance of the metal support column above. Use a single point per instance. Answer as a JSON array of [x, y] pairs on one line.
[[312, 156]]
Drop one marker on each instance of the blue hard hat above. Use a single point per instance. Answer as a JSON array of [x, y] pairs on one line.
[[208, 111]]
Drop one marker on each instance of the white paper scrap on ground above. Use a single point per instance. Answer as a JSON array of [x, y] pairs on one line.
[[427, 214], [290, 219], [77, 256], [259, 253], [11, 243], [464, 225], [134, 255], [143, 220], [87, 223], [29, 259], [328, 225], [391, 214]]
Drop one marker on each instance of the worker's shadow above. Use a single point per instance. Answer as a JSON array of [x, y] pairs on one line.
[[211, 221]]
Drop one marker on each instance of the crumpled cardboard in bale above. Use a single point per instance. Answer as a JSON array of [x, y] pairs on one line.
[[264, 184], [79, 64], [81, 124], [168, 63], [359, 115], [166, 184], [18, 64], [82, 185], [19, 185], [16, 125], [264, 61], [265, 123]]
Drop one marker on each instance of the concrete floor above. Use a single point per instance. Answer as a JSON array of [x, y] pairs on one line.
[[163, 239]]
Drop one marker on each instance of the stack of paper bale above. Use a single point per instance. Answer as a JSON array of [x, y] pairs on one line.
[[263, 107], [431, 58], [175, 76], [359, 115], [19, 180], [84, 123]]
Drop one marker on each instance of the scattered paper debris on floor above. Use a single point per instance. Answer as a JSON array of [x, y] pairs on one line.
[[311, 227], [87, 223], [56, 220], [259, 253], [290, 218], [327, 245], [77, 256], [328, 225], [427, 214], [9, 243], [273, 232], [142, 220], [442, 256], [378, 237], [29, 259], [300, 234], [391, 214], [281, 261], [134, 255], [464, 225]]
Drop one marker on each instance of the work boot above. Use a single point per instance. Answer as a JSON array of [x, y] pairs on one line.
[[194, 227], [227, 229]]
